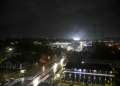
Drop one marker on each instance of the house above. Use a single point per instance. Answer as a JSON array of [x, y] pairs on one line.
[[17, 62]]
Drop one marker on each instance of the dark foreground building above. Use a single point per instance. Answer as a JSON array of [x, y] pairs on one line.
[[88, 73]]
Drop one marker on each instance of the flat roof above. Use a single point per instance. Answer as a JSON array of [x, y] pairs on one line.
[[104, 67]]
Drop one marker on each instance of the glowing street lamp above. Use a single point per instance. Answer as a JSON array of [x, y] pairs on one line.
[[77, 39], [55, 66], [36, 82], [61, 62], [22, 72], [82, 62], [10, 49]]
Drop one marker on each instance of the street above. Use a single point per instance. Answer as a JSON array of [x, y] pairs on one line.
[[38, 77]]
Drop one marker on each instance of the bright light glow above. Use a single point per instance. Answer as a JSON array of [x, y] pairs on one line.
[[61, 62], [55, 66], [21, 71], [10, 49], [58, 75], [36, 82], [76, 38], [69, 48], [94, 70], [61, 46], [82, 62]]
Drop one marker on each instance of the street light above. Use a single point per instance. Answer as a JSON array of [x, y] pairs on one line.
[[61, 62], [36, 82], [22, 72], [82, 62], [76, 39], [55, 66], [10, 49]]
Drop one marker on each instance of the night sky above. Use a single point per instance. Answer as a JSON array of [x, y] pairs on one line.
[[59, 18]]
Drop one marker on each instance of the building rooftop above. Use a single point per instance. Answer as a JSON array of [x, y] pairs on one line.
[[104, 67]]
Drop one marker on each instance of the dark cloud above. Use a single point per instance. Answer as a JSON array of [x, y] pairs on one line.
[[58, 18]]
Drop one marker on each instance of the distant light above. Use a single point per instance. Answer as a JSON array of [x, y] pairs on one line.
[[55, 67], [12, 43], [76, 38], [10, 49], [61, 62], [79, 70], [82, 62], [21, 71]]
